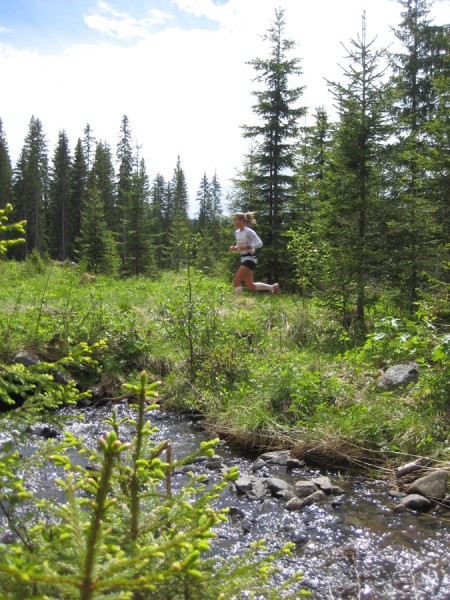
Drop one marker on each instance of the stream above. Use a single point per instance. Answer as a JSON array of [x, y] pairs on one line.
[[352, 546]]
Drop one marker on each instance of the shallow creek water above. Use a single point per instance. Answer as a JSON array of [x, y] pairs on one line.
[[353, 548]]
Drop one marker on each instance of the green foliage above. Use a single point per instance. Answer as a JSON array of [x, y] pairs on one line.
[[433, 387], [395, 340], [268, 184], [309, 259], [96, 245], [190, 316], [293, 388], [124, 533], [33, 388], [264, 371], [37, 262], [12, 228]]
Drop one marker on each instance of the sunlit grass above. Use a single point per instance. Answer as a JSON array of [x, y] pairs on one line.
[[263, 370]]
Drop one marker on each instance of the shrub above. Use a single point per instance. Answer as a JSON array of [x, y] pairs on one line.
[[123, 532]]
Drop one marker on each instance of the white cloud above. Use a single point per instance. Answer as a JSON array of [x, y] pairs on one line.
[[121, 26], [206, 8]]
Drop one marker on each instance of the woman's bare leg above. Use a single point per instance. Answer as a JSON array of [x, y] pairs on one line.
[[244, 274]]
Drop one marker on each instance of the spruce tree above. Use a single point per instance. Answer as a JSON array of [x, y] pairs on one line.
[[204, 199], [6, 192], [415, 232], [102, 177], [218, 244], [204, 245], [350, 217], [437, 165], [307, 244], [209, 242], [60, 209], [312, 162], [124, 187], [140, 257], [78, 195], [276, 137], [96, 246], [179, 227], [31, 188], [157, 219], [245, 192], [89, 144]]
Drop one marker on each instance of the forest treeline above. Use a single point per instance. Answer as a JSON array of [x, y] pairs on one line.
[[353, 209]]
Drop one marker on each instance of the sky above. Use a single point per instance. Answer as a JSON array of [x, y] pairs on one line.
[[178, 69]]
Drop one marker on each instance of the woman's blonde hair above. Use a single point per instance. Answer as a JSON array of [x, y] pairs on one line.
[[248, 218]]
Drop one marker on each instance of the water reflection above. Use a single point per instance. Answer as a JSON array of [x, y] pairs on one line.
[[354, 548]]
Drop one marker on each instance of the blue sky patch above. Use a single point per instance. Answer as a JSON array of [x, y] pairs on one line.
[[52, 25]]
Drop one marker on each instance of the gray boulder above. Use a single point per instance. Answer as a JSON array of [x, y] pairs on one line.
[[416, 502], [258, 490], [318, 496], [398, 376], [276, 485], [253, 488], [433, 485], [300, 503], [25, 359], [305, 488], [243, 484], [324, 484], [277, 457], [295, 504]]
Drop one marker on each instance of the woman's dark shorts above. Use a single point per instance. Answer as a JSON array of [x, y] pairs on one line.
[[250, 264]]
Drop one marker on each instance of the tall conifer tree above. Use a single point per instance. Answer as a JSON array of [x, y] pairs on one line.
[[217, 216], [276, 138], [179, 229], [5, 171], [124, 187], [97, 248], [89, 144], [437, 163], [60, 210], [158, 219], [31, 188], [204, 199], [245, 193], [313, 159], [140, 258], [350, 218], [78, 193], [415, 230], [102, 176]]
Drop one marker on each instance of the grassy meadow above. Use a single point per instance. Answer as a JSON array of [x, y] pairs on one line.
[[265, 371]]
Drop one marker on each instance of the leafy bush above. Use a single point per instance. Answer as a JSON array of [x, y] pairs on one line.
[[394, 340], [11, 228], [433, 387], [33, 388]]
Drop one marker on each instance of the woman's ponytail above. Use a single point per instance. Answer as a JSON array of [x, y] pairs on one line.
[[249, 219]]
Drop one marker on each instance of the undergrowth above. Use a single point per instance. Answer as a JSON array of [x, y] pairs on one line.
[[261, 369]]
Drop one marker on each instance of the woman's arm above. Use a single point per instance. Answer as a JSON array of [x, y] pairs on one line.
[[254, 239]]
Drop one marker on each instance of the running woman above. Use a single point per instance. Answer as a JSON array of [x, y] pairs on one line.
[[247, 241]]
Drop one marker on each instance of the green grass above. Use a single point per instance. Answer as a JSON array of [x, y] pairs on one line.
[[265, 371]]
